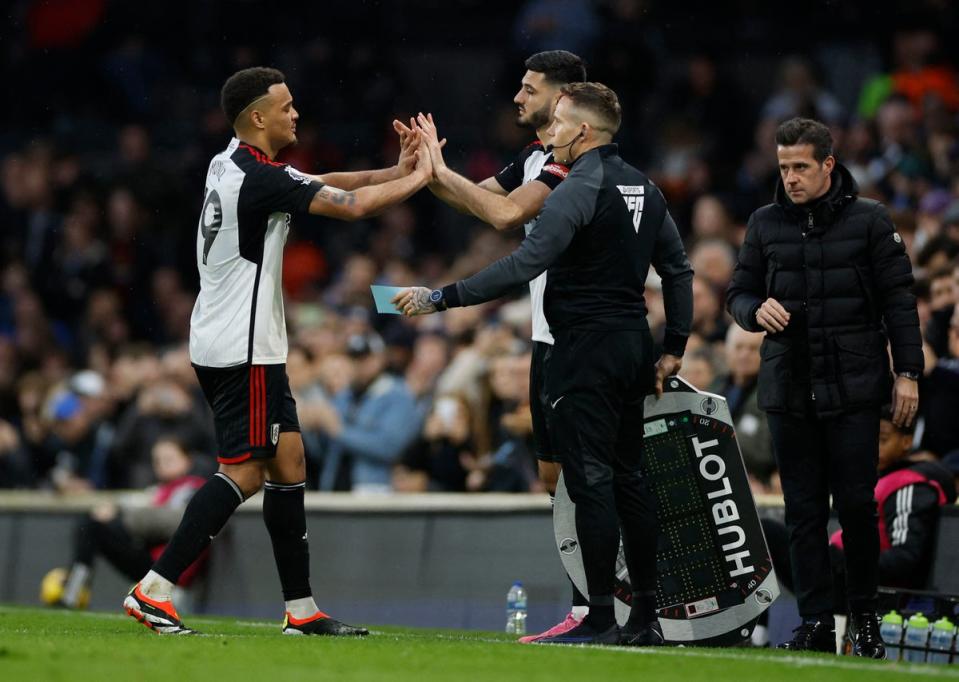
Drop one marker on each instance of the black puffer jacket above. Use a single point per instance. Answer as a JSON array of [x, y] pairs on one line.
[[841, 270]]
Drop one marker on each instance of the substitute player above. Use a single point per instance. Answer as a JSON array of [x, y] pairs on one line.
[[511, 198], [598, 234], [238, 340]]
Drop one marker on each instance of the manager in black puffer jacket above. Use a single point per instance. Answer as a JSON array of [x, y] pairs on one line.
[[826, 275]]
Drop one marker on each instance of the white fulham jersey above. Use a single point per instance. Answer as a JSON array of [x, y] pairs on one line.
[[238, 316], [534, 163]]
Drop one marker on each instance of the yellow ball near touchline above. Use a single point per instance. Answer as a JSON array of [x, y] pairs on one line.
[[51, 589]]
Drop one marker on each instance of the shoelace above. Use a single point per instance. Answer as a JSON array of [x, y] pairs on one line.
[[868, 631], [804, 631]]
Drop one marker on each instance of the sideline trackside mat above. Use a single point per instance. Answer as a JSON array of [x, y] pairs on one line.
[[715, 573]]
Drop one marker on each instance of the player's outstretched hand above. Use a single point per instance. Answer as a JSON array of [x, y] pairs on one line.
[[414, 301], [431, 140], [409, 143], [424, 166], [666, 366]]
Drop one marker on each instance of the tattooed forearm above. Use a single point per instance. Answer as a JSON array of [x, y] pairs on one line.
[[338, 197]]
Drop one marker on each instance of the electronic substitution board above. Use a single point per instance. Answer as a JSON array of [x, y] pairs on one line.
[[715, 573]]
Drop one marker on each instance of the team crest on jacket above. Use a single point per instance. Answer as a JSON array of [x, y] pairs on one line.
[[635, 197]]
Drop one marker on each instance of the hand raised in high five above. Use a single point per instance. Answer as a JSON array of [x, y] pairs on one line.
[[410, 138], [432, 142], [409, 143]]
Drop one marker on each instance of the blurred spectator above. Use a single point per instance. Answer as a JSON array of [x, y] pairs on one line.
[[800, 95], [699, 368], [511, 465], [709, 318], [714, 260], [939, 397], [740, 390], [556, 25], [943, 296], [446, 451], [130, 537], [15, 468], [368, 424], [164, 408]]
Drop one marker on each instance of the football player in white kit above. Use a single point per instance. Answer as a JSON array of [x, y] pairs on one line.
[[511, 198], [238, 341]]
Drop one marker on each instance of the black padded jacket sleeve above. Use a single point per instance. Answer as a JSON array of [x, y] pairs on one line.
[[892, 282], [747, 290]]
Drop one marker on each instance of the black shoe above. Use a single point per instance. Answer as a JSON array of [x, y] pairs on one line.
[[639, 635], [584, 633], [864, 632], [320, 624], [816, 635]]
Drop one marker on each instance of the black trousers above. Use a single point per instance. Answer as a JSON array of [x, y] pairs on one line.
[[596, 383], [777, 540], [818, 456], [112, 541]]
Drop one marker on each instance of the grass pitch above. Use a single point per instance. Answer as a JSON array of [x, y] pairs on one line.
[[42, 645]]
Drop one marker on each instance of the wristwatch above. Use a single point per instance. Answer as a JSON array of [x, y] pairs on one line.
[[436, 298], [910, 375]]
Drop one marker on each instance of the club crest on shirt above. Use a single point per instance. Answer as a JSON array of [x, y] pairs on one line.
[[635, 198]]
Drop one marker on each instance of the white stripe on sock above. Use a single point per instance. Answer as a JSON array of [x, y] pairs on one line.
[[236, 488]]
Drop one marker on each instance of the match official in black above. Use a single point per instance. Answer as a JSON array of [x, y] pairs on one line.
[[598, 233], [826, 275]]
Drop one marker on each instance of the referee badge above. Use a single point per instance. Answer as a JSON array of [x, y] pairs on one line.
[[275, 433]]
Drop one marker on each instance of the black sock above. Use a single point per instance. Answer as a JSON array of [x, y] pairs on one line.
[[205, 515], [601, 615], [643, 609], [285, 519]]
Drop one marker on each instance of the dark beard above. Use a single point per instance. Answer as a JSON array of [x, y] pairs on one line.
[[536, 120]]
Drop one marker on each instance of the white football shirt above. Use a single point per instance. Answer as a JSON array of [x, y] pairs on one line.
[[238, 317]]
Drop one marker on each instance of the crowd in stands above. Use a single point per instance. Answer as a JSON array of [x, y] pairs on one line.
[[101, 189]]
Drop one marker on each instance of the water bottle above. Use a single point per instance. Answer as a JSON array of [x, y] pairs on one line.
[[891, 632], [940, 641], [516, 610], [917, 633]]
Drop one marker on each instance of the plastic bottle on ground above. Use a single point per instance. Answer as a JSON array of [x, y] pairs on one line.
[[516, 610], [940, 640], [891, 632], [917, 635]]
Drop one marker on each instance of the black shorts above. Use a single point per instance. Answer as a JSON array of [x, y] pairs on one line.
[[252, 405], [539, 401]]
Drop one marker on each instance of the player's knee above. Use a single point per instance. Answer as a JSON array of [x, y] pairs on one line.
[[248, 477]]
